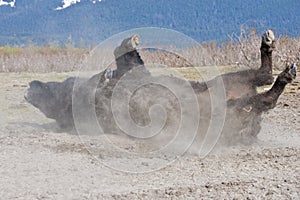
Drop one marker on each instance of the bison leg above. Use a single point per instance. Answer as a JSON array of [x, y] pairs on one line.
[[263, 75], [264, 101], [245, 82], [244, 114]]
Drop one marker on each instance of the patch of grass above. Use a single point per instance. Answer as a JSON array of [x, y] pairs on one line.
[[8, 50]]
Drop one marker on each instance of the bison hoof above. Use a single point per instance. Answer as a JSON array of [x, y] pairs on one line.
[[135, 41], [268, 37], [293, 70]]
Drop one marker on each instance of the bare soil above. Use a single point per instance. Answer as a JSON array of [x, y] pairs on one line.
[[37, 161]]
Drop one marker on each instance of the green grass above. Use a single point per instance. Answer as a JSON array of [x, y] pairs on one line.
[[8, 50]]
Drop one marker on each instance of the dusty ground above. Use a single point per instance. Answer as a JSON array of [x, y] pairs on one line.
[[39, 162]]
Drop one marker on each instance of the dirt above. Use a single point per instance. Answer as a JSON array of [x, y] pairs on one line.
[[38, 161]]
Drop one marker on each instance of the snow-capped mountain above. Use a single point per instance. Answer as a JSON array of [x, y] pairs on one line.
[[65, 3], [91, 21]]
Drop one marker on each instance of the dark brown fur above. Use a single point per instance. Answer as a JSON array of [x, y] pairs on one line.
[[238, 84], [244, 107]]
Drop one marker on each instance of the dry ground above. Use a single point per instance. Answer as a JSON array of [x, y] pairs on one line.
[[38, 162]]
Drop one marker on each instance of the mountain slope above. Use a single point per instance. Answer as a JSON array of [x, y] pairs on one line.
[[39, 21]]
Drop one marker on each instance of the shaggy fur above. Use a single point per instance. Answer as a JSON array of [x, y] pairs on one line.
[[244, 106]]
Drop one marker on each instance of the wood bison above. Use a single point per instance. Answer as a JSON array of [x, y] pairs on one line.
[[122, 99]]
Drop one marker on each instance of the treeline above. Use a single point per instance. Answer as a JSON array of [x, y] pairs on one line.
[[241, 50]]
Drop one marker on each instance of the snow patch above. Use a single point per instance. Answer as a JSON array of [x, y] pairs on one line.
[[68, 3], [10, 3]]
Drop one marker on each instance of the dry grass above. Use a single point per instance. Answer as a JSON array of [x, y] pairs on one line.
[[242, 50], [40, 59]]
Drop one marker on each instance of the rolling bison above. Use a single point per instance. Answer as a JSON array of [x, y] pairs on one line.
[[122, 99]]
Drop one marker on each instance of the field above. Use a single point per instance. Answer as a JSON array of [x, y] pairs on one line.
[[39, 162], [241, 50]]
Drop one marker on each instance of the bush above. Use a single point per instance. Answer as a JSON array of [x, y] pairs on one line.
[[239, 50]]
